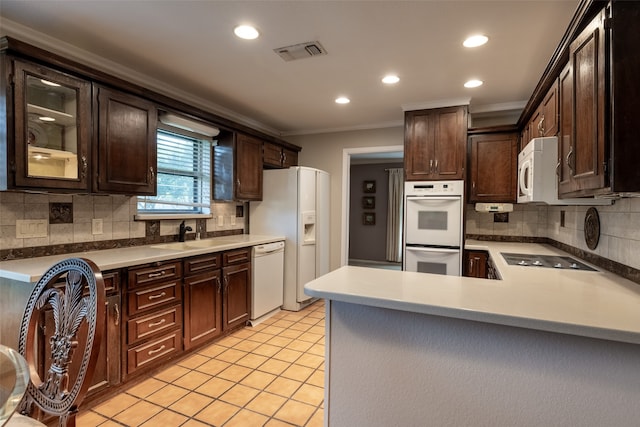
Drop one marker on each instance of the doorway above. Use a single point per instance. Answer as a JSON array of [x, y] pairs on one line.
[[364, 204]]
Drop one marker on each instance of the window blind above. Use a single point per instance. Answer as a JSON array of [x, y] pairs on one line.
[[184, 176]]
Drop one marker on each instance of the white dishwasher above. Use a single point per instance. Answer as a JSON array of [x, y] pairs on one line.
[[268, 279]]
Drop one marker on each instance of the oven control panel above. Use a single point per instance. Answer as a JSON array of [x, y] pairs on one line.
[[434, 188]]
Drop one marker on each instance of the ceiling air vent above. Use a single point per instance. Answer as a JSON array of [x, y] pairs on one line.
[[300, 51]]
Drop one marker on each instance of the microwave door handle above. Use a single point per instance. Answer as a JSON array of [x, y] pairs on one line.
[[438, 250], [523, 171]]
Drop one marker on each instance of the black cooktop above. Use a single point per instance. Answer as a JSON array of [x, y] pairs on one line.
[[549, 261]]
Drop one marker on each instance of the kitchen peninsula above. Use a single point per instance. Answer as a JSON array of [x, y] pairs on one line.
[[539, 347]]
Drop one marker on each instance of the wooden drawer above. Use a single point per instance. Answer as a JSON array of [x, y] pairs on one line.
[[145, 354], [238, 256], [155, 273], [202, 263], [152, 324], [147, 298]]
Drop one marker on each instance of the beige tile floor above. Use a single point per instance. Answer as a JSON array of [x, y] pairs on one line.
[[269, 375]]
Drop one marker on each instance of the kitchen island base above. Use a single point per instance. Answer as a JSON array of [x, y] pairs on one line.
[[390, 367]]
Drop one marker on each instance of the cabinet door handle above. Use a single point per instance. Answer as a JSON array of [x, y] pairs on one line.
[[558, 169], [226, 284], [83, 173], [284, 158], [158, 323], [471, 267], [152, 275], [117, 311], [156, 296], [571, 157], [436, 166], [431, 166], [157, 350], [219, 284]]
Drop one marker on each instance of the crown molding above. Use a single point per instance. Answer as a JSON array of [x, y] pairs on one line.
[[36, 38]]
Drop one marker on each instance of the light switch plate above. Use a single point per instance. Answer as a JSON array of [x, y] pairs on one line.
[[220, 220], [233, 220], [31, 228], [96, 226]]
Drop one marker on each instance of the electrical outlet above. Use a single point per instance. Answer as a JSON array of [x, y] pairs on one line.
[[31, 228], [233, 220], [96, 226], [220, 220]]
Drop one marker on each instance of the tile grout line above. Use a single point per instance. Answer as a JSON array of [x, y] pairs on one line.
[[224, 342]]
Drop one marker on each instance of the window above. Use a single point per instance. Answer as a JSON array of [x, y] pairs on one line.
[[184, 176]]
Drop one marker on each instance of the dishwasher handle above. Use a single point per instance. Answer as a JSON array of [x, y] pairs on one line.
[[268, 248]]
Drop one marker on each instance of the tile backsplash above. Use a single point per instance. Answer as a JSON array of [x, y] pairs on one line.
[[115, 212], [619, 227]]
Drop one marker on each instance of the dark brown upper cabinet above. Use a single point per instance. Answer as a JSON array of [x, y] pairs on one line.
[[493, 166], [435, 143], [125, 143], [277, 156], [237, 168], [48, 129], [595, 72]]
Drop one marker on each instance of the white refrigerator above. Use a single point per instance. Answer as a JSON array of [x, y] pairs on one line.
[[295, 204]]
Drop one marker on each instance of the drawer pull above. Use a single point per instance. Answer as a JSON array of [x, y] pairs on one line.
[[157, 350], [161, 273], [156, 296], [158, 323]]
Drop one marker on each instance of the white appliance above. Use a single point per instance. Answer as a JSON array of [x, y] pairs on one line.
[[295, 204], [433, 227], [537, 179], [267, 267]]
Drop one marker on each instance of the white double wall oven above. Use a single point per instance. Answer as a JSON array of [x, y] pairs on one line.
[[433, 232]]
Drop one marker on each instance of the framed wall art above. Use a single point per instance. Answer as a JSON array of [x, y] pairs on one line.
[[369, 186], [368, 202], [369, 218]]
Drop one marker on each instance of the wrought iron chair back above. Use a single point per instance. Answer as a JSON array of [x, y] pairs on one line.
[[78, 308]]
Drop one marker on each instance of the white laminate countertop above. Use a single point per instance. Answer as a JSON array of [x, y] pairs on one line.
[[31, 269], [586, 303]]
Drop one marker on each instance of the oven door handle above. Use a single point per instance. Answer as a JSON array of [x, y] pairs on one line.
[[434, 198], [438, 250]]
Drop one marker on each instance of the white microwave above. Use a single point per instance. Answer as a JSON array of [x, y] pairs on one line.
[[537, 179]]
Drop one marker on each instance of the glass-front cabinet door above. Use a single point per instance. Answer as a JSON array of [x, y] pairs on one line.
[[52, 128]]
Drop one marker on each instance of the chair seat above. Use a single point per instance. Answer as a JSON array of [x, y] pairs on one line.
[[18, 420]]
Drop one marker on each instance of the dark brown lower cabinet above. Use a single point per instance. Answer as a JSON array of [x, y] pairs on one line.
[[236, 275], [202, 308], [237, 295], [475, 264]]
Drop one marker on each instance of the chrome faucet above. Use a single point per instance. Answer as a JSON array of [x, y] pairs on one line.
[[183, 231]]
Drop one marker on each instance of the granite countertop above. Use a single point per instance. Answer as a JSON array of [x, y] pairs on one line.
[[31, 269], [596, 304]]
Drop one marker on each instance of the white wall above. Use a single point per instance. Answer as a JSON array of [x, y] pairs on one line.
[[325, 151]]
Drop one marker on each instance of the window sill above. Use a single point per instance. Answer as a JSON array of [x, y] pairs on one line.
[[153, 217]]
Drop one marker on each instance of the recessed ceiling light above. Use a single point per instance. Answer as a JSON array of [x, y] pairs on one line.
[[342, 100], [246, 32], [475, 41], [473, 83], [47, 119], [390, 79]]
